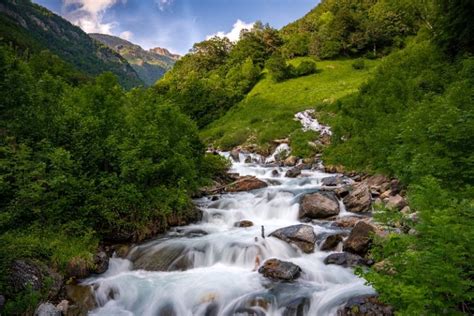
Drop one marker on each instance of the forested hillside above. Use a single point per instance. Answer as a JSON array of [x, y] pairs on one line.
[[30, 27], [87, 166], [150, 65]]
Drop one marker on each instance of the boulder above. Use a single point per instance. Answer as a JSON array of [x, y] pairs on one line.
[[275, 173], [101, 262], [365, 305], [280, 270], [319, 205], [63, 307], [235, 155], [293, 172], [248, 159], [246, 183], [24, 274], [333, 181], [396, 202], [243, 223], [163, 259], [359, 198], [300, 235], [290, 161], [348, 221], [2, 302], [342, 192], [81, 299], [359, 239], [378, 182], [47, 309], [395, 186], [346, 259], [331, 242]]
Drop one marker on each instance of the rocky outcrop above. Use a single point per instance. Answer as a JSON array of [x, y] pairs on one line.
[[280, 270], [331, 242], [167, 258], [346, 259], [334, 181], [365, 305], [300, 235], [359, 198], [319, 205], [235, 155], [24, 274], [359, 239], [81, 298], [246, 183]]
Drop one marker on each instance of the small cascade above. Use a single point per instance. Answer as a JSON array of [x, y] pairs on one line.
[[210, 267]]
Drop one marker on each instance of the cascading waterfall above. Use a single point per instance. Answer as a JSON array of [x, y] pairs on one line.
[[210, 268]]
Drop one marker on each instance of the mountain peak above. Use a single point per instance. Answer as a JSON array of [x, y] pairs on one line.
[[164, 52]]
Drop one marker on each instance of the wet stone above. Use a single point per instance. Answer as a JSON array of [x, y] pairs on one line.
[[280, 270]]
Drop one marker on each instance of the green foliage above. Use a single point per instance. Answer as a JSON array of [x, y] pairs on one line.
[[306, 67], [32, 28], [267, 112], [358, 64], [413, 119], [82, 161], [430, 272], [217, 74], [348, 28], [278, 68], [302, 144]]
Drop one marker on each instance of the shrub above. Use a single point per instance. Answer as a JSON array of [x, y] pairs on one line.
[[277, 68], [306, 67], [358, 64]]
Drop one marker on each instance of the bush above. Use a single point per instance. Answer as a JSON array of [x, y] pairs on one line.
[[306, 67], [358, 64], [277, 68]]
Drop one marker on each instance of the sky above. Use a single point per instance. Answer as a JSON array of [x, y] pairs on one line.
[[176, 24]]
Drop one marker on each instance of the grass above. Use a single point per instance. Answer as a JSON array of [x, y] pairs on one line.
[[267, 111]]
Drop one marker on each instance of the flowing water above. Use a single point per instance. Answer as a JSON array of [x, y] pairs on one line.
[[210, 268]]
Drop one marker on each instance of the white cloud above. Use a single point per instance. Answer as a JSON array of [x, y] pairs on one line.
[[163, 4], [127, 35], [88, 14], [234, 34]]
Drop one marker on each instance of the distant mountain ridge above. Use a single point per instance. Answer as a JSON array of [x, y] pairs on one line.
[[150, 65], [29, 26]]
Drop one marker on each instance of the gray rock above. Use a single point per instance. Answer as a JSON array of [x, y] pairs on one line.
[[319, 205], [346, 259], [359, 199], [334, 181], [26, 273], [300, 235], [47, 309], [280, 270], [331, 242], [359, 239], [101, 262], [235, 155], [164, 259], [293, 172], [2, 302], [248, 159]]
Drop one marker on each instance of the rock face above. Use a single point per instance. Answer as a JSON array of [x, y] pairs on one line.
[[47, 309], [300, 235], [280, 270], [365, 305], [244, 223], [359, 239], [319, 205], [246, 183], [359, 199], [331, 242], [345, 259]]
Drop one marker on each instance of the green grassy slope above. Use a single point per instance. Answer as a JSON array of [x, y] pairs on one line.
[[267, 111]]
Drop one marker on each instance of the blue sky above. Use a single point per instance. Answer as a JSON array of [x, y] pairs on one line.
[[175, 24]]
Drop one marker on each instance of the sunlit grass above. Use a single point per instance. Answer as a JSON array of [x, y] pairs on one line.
[[267, 111]]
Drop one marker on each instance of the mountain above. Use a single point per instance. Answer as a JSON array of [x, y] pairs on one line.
[[150, 65], [31, 27]]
